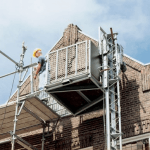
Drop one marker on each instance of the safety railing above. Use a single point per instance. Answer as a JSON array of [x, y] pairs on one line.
[[49, 101], [52, 103], [67, 62]]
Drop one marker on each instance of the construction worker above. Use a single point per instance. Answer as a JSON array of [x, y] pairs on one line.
[[41, 68]]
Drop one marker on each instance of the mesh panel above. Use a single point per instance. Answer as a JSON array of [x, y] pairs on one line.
[[87, 55], [71, 60], [48, 71], [52, 103], [56, 107], [81, 57], [52, 61], [61, 63]]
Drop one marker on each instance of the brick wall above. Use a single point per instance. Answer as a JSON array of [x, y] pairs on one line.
[[134, 102], [71, 133]]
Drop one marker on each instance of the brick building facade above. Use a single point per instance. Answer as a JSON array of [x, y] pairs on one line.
[[86, 132]]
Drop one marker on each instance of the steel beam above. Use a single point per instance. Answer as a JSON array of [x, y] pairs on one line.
[[22, 105], [61, 103], [73, 88], [31, 65], [83, 96], [23, 141], [9, 58], [89, 105], [34, 115], [9, 74]]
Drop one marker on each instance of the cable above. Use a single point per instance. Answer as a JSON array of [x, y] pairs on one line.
[[8, 100]]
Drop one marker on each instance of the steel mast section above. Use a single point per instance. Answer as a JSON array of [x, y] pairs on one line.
[[112, 55]]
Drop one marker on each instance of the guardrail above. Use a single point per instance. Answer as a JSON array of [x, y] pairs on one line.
[[52, 103], [69, 61]]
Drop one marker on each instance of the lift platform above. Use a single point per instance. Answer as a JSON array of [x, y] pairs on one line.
[[74, 77], [33, 113], [82, 75]]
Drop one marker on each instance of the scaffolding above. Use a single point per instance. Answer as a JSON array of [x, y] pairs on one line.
[[82, 70], [30, 112]]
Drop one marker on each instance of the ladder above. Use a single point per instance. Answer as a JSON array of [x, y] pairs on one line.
[[112, 54]]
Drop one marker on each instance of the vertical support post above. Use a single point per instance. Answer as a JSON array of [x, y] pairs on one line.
[[118, 91], [47, 68], [16, 112], [149, 143], [113, 115], [89, 56], [43, 137], [18, 94], [66, 66], [112, 98], [112, 131], [56, 66], [107, 119], [107, 103], [86, 56], [99, 42], [31, 77], [106, 86], [76, 67]]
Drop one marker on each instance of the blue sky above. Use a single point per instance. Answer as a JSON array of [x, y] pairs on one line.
[[40, 23]]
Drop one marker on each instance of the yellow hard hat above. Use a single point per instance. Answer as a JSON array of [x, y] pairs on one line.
[[34, 52]]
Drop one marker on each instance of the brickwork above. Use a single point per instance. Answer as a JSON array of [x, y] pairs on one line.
[[136, 146], [146, 78], [134, 102], [71, 133], [26, 88], [72, 35], [87, 130]]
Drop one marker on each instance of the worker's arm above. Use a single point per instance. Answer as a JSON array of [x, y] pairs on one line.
[[37, 70]]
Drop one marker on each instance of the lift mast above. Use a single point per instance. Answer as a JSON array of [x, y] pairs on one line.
[[111, 54]]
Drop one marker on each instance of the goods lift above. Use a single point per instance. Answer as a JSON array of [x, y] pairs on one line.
[[74, 76], [81, 77]]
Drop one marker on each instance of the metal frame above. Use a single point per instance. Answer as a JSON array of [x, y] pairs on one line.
[[111, 54], [20, 104], [66, 64], [79, 90], [18, 94], [111, 65], [23, 143]]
